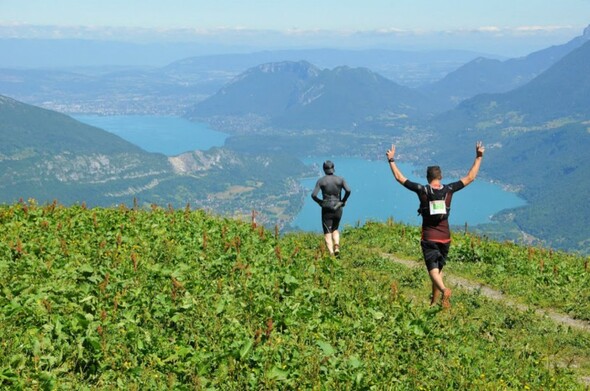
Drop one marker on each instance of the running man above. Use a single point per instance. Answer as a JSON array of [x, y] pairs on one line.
[[332, 203], [435, 204]]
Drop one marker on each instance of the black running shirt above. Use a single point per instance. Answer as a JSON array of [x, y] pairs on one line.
[[433, 229]]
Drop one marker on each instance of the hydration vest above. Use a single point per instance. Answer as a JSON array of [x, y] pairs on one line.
[[436, 206]]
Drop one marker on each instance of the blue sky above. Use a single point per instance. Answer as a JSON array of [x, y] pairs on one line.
[[465, 24]]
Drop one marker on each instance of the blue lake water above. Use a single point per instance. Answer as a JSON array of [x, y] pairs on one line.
[[377, 196], [168, 135]]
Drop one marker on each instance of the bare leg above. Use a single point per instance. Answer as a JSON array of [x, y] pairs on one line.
[[329, 243], [336, 241], [436, 276], [435, 295]]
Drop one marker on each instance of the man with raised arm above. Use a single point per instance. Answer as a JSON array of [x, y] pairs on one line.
[[435, 205]]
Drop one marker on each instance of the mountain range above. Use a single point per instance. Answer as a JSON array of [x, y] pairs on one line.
[[558, 95], [298, 95], [169, 90], [447, 77], [488, 75], [409, 68]]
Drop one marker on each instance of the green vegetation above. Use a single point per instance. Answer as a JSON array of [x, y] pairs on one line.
[[45, 155], [161, 298], [534, 275], [29, 128]]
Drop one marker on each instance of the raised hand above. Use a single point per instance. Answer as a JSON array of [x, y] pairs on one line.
[[391, 152], [479, 149]]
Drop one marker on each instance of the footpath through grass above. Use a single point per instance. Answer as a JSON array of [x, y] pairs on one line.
[[536, 276], [163, 299]]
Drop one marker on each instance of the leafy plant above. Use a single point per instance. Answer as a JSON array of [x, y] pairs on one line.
[[109, 298]]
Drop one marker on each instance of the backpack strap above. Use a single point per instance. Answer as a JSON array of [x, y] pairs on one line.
[[423, 210], [429, 191]]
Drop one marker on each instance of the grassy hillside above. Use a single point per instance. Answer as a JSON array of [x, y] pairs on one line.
[[156, 299], [36, 130]]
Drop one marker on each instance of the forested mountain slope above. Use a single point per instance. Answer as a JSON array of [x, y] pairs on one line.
[[538, 137]]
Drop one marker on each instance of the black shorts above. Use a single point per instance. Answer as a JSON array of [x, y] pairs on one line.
[[435, 254], [331, 219]]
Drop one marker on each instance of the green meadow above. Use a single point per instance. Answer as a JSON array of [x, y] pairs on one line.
[[128, 298]]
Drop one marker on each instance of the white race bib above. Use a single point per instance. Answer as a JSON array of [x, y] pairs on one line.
[[438, 207]]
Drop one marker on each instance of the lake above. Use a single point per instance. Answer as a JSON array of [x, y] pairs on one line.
[[375, 193], [377, 196], [168, 135]]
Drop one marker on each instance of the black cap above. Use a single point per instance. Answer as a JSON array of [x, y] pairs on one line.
[[328, 167]]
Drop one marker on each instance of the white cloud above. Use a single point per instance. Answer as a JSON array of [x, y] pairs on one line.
[[488, 29], [545, 29], [20, 30], [494, 39], [518, 30]]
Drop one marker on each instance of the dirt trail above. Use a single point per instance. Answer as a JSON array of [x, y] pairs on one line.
[[494, 294], [488, 292]]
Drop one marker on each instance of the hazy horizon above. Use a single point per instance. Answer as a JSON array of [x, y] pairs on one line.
[[193, 28]]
